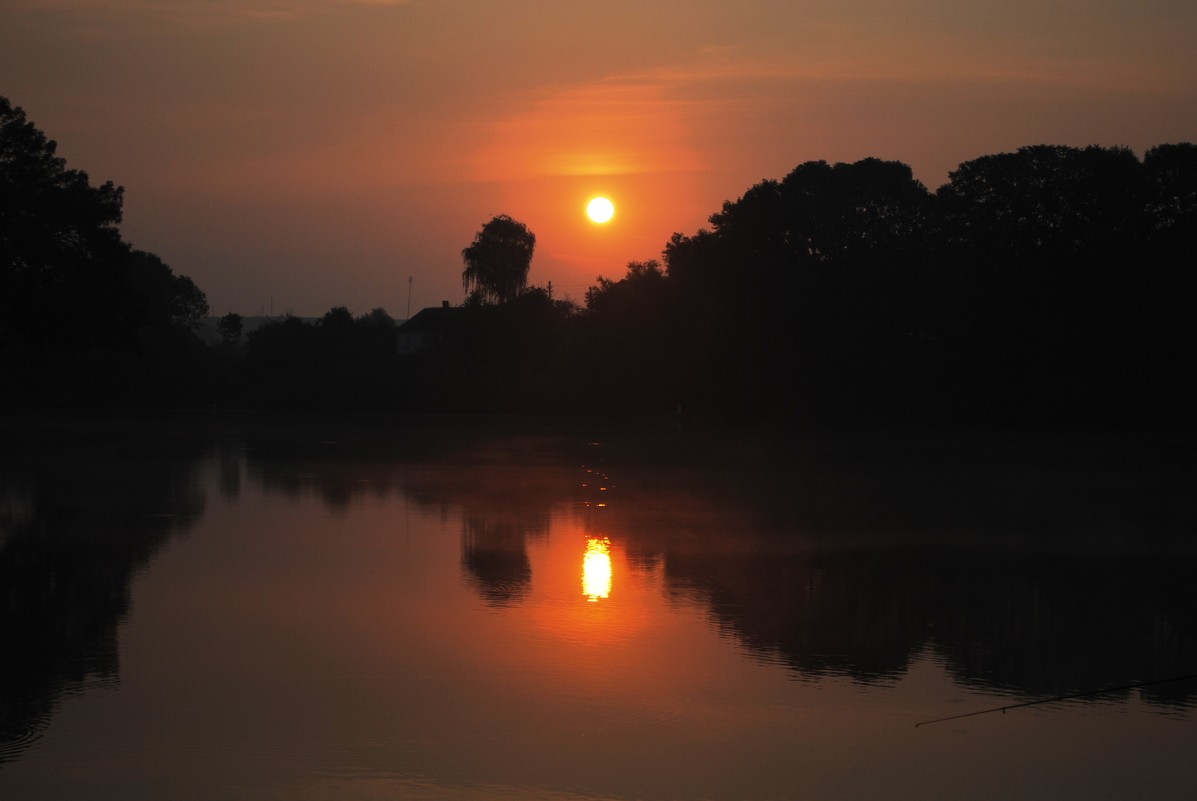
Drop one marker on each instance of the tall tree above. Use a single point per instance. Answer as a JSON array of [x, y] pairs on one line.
[[84, 318], [58, 233], [497, 261]]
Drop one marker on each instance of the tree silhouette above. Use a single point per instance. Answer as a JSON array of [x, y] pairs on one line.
[[800, 291], [163, 298], [84, 318], [1171, 178], [497, 261], [67, 280], [57, 233], [230, 328]]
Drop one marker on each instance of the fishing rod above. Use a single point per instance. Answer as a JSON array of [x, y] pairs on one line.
[[1068, 697]]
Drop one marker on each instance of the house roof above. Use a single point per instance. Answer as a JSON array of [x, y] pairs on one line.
[[431, 320]]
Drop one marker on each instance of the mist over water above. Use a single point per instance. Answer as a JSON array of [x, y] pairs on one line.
[[243, 608]]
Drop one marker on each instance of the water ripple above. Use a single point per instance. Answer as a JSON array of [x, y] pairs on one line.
[[14, 743]]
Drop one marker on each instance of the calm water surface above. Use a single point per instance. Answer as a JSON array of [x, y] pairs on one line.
[[252, 610]]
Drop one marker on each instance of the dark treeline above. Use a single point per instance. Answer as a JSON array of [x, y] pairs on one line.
[[1046, 285], [337, 362], [1049, 286]]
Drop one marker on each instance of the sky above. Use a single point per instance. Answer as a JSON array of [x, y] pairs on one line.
[[295, 155]]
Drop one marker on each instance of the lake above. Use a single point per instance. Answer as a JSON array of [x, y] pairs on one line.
[[264, 608]]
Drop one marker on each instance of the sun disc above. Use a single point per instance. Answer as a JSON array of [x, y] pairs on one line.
[[600, 209]]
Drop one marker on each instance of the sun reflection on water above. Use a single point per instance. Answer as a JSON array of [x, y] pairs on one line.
[[596, 569]]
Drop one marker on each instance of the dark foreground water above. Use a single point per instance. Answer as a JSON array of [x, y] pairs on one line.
[[266, 610]]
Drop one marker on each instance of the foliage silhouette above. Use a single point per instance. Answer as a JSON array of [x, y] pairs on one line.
[[84, 318], [164, 299], [497, 261], [57, 233], [1044, 287], [338, 362], [230, 328]]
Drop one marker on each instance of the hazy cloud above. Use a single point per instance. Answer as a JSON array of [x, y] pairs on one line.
[[201, 12]]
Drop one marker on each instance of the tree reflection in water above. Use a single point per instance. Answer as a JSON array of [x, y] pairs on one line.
[[1029, 565], [494, 553], [86, 508]]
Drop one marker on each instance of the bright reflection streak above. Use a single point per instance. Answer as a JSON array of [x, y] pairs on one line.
[[596, 569]]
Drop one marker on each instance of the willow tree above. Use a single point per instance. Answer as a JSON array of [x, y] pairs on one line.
[[497, 261]]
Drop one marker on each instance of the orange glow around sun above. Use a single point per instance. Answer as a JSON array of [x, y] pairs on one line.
[[630, 141]]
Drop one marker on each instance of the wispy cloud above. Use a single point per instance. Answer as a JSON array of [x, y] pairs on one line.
[[620, 126]]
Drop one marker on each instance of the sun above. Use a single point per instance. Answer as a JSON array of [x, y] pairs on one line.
[[600, 209]]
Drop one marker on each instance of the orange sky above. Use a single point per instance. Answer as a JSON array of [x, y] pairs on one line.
[[302, 154]]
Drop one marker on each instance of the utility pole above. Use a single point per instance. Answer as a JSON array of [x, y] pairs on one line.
[[408, 316]]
